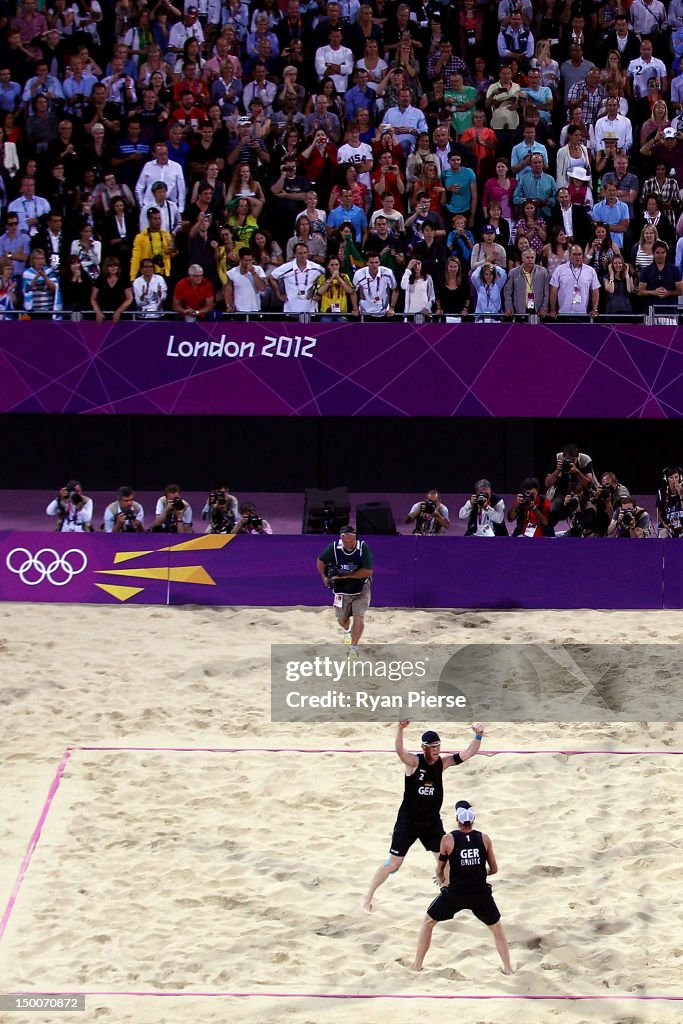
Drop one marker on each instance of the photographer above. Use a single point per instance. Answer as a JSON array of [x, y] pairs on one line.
[[430, 516], [221, 509], [629, 521], [125, 515], [670, 504], [73, 509], [571, 466], [580, 511], [345, 566], [251, 521], [609, 496], [173, 513], [530, 511], [485, 512]]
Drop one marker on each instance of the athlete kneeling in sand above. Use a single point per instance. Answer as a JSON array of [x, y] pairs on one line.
[[419, 816], [467, 852]]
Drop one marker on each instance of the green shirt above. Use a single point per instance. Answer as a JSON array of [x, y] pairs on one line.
[[462, 119]]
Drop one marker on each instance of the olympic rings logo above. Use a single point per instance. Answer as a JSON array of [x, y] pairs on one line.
[[46, 564]]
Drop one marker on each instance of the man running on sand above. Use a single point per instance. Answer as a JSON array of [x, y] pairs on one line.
[[467, 852], [419, 816]]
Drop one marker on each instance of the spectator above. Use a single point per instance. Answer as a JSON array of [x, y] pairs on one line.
[[8, 289], [536, 186], [527, 288], [660, 282], [161, 169], [335, 293], [299, 277], [40, 285], [111, 294], [419, 290], [29, 207], [149, 291], [244, 285], [194, 297], [15, 245], [453, 293], [488, 282], [574, 288], [619, 287], [670, 503], [376, 288]]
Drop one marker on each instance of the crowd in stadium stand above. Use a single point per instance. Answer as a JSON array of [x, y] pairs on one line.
[[514, 158]]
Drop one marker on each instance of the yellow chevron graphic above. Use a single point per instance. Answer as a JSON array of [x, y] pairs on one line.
[[180, 574], [207, 542], [120, 593], [125, 556]]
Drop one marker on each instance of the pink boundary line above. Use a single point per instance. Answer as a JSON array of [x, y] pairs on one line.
[[33, 842], [371, 750], [361, 995]]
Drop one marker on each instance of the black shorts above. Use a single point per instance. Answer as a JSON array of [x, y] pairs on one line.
[[480, 902], [405, 835]]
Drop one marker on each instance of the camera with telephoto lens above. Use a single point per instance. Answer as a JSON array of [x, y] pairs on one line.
[[527, 499], [481, 500], [428, 508], [676, 528], [158, 261], [574, 503], [567, 465], [255, 521], [177, 504], [628, 519], [75, 498], [605, 492], [217, 498]]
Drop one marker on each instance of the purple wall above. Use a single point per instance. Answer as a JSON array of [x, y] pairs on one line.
[[280, 571], [387, 369]]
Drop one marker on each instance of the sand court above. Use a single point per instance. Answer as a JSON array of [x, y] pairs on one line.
[[188, 875], [193, 871]]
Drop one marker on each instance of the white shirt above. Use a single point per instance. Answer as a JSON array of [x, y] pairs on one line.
[[170, 216], [170, 173], [28, 209], [347, 154], [641, 73], [76, 520], [162, 506], [150, 295], [299, 283], [419, 295], [325, 55], [246, 298], [374, 292], [574, 287], [647, 19], [181, 32], [110, 516], [621, 126]]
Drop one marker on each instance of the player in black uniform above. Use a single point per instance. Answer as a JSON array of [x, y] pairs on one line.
[[419, 816], [467, 852]]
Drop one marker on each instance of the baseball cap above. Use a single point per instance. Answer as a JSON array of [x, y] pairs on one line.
[[669, 133], [192, 10], [464, 812], [488, 229], [347, 529], [430, 737]]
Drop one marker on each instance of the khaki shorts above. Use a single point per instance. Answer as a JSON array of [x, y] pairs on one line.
[[354, 605]]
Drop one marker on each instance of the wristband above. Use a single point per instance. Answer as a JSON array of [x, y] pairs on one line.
[[478, 736]]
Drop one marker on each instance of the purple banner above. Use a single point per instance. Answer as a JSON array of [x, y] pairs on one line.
[[411, 572], [385, 369]]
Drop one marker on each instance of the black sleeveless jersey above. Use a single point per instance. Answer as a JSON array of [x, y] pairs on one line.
[[422, 793], [467, 861]]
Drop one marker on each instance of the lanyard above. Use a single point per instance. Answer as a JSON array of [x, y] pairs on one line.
[[368, 284], [296, 279]]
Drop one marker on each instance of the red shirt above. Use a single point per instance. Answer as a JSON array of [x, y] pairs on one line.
[[194, 298]]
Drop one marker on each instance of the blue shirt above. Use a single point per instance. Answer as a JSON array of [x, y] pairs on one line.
[[356, 99], [355, 216], [612, 215], [459, 202], [520, 151], [9, 96]]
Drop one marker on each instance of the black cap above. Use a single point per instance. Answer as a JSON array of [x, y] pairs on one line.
[[463, 803], [430, 737], [347, 529]]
